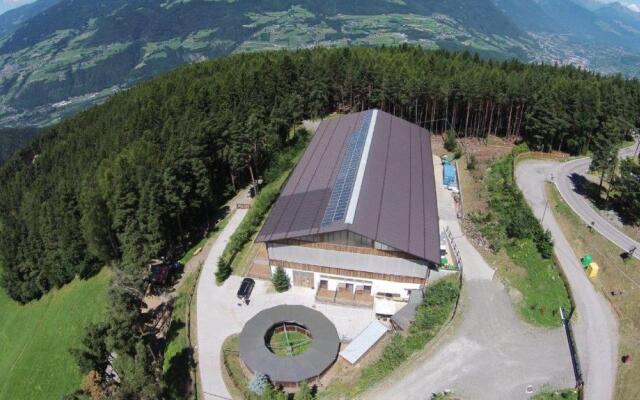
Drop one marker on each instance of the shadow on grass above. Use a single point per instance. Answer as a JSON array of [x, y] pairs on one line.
[[178, 375], [174, 330]]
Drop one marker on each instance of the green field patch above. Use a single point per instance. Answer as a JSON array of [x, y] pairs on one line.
[[35, 339], [289, 343]]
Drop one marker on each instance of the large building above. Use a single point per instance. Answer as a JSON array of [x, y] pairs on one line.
[[358, 219]]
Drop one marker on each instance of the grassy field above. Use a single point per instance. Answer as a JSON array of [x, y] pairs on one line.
[[35, 339], [615, 276], [290, 343], [567, 394]]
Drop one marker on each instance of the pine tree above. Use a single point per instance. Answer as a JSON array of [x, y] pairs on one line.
[[280, 280]]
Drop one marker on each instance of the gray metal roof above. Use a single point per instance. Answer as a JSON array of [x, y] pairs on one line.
[[322, 351], [407, 314], [395, 201], [364, 341]]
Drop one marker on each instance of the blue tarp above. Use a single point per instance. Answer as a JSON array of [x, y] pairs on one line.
[[449, 178]]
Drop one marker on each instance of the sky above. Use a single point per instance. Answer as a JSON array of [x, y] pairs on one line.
[[6, 5]]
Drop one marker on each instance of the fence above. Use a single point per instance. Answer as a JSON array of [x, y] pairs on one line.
[[456, 254], [573, 350]]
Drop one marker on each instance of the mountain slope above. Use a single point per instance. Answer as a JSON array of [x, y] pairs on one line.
[[11, 20], [78, 52]]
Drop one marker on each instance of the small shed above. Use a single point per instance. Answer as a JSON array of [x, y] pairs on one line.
[[364, 342], [407, 314]]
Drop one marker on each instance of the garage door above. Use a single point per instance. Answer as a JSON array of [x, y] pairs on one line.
[[302, 278]]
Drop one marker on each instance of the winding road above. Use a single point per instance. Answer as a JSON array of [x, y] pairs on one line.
[[596, 328], [566, 176]]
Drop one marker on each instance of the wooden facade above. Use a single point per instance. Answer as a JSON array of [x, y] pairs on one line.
[[347, 272], [347, 248]]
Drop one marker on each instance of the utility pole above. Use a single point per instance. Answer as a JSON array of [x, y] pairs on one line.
[[546, 205]]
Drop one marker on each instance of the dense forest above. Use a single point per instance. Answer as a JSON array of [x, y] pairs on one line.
[[12, 139], [132, 179], [140, 176]]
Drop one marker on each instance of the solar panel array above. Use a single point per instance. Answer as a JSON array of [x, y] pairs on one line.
[[341, 193]]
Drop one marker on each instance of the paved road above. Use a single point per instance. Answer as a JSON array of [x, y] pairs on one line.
[[596, 328], [492, 354], [207, 316], [582, 206]]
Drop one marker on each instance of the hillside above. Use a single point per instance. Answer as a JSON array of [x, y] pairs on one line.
[[36, 338], [76, 53], [141, 176], [605, 38], [13, 139], [112, 182]]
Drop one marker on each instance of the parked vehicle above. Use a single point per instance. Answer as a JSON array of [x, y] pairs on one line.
[[246, 287]]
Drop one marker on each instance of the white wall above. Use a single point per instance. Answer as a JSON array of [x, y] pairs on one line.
[[377, 286]]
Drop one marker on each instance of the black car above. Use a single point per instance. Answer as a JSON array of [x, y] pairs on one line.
[[246, 287]]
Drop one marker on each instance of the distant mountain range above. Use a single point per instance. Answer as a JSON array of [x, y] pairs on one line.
[[59, 56]]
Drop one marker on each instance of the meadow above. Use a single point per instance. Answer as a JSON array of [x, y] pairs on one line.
[[35, 339]]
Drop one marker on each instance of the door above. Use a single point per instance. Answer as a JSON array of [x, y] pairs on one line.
[[303, 278]]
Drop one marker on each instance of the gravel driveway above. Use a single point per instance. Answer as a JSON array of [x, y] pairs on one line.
[[596, 328], [492, 354]]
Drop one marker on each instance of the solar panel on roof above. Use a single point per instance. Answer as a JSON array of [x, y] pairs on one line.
[[339, 201]]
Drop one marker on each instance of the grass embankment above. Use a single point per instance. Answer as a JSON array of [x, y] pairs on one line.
[[520, 248], [615, 276], [35, 338], [567, 394], [431, 316], [239, 247]]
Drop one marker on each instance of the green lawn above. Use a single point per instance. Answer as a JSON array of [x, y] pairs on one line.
[[291, 343], [541, 285], [35, 339]]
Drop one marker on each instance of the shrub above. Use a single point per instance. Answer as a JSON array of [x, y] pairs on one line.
[[437, 306], [280, 280], [457, 153], [304, 393], [450, 141], [472, 162], [259, 382]]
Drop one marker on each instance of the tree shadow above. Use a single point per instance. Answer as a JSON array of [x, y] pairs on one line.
[[174, 330], [588, 189], [178, 375]]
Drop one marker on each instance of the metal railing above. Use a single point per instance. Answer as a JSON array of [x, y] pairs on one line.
[[573, 349]]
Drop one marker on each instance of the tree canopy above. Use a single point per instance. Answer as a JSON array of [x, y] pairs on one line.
[[139, 176]]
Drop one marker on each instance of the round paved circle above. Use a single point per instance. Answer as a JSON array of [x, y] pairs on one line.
[[320, 355]]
